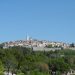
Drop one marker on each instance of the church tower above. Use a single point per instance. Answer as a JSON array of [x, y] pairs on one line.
[[27, 38]]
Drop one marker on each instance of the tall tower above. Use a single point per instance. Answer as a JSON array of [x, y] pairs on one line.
[[27, 38]]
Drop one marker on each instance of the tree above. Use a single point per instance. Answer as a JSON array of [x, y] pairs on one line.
[[1, 68], [58, 65], [49, 46], [72, 45], [43, 67], [20, 74], [1, 46]]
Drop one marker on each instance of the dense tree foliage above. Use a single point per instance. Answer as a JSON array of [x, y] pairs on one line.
[[24, 61], [1, 68]]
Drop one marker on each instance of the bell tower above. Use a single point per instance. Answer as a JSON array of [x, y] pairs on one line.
[[27, 37]]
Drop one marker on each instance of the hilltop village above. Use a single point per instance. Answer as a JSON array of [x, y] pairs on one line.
[[36, 44]]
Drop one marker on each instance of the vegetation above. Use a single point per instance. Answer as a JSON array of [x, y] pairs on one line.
[[24, 61]]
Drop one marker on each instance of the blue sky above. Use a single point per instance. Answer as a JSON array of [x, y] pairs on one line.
[[42, 19]]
